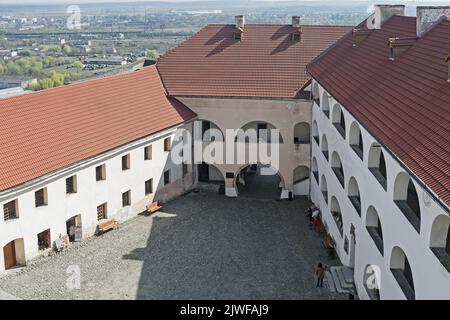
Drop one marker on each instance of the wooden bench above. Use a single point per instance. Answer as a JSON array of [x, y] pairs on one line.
[[106, 225], [153, 207]]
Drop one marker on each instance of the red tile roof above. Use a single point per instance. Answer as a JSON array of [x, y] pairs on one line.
[[404, 103], [51, 129], [265, 64]]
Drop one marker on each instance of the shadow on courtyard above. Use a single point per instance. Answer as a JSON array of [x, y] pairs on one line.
[[222, 248]]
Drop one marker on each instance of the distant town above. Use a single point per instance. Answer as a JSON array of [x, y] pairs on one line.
[[38, 50]]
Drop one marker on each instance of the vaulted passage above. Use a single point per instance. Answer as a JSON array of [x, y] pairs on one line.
[[401, 269], [259, 182], [405, 197]]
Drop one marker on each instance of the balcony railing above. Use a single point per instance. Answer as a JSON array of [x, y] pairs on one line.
[[317, 101], [442, 256], [317, 139], [381, 179], [404, 284], [316, 175], [325, 196], [355, 200], [357, 150], [340, 129], [409, 214], [339, 174], [376, 237]]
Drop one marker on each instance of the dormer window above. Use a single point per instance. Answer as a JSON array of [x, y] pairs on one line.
[[399, 45]]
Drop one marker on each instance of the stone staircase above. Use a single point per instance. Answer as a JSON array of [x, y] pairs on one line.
[[340, 280]]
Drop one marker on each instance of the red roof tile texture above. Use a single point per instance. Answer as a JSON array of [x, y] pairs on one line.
[[404, 103], [267, 63], [51, 129]]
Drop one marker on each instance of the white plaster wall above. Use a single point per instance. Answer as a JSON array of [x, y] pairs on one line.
[[90, 193], [237, 113], [431, 279]]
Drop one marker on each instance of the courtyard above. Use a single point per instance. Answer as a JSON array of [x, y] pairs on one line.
[[201, 246]]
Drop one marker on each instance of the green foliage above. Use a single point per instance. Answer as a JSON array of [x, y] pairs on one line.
[[25, 53], [153, 54], [67, 49], [55, 48], [43, 47], [77, 65]]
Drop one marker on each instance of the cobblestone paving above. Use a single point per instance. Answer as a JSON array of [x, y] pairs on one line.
[[215, 248]]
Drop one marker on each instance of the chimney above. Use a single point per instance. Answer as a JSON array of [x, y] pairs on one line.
[[359, 35], [296, 22], [448, 62], [399, 45], [239, 21], [428, 17], [385, 11]]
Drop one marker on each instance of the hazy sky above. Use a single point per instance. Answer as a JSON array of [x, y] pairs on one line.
[[410, 2], [418, 2]]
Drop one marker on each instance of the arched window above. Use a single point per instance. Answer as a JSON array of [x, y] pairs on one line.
[[326, 105], [338, 120], [372, 282], [302, 133], [316, 94], [260, 131], [301, 173], [405, 197], [337, 215], [324, 188], [401, 269], [373, 226], [315, 132], [336, 166], [377, 164], [356, 142], [210, 131], [324, 146], [440, 240], [315, 169], [353, 194]]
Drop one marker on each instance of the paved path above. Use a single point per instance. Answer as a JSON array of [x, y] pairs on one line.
[[214, 248]]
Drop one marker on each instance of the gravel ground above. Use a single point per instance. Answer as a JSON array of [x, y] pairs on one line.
[[215, 248]]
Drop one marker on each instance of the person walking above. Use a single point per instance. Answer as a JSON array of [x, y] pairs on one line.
[[320, 274]]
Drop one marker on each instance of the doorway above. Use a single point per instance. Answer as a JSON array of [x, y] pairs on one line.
[[74, 230], [14, 254]]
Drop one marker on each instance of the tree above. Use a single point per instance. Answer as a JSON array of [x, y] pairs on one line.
[[2, 69], [43, 47], [25, 53], [153, 54], [55, 48], [78, 65], [67, 49]]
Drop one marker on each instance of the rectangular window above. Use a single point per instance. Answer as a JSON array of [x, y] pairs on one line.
[[100, 172], [71, 185], [148, 186], [167, 144], [40, 197], [167, 177], [229, 175], [44, 240], [10, 210], [126, 162], [101, 212], [126, 198], [148, 153]]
